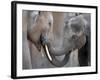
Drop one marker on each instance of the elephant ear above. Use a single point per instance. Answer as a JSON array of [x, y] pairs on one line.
[[84, 54], [34, 15]]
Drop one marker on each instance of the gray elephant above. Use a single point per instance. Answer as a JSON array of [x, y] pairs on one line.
[[51, 39], [84, 52]]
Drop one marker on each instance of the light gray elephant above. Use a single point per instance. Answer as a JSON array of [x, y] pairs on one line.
[[51, 39]]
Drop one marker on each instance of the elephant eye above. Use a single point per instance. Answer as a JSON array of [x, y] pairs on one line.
[[74, 37], [76, 27], [49, 23]]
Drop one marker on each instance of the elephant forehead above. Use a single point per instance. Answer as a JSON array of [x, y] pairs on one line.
[[46, 15], [45, 19], [76, 27], [77, 24]]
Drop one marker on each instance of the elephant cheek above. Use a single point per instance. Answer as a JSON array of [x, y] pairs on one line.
[[38, 46], [37, 43], [35, 39]]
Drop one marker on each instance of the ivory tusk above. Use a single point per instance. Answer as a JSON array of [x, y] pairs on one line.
[[48, 54]]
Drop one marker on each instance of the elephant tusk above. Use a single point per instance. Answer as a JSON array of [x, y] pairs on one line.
[[48, 54]]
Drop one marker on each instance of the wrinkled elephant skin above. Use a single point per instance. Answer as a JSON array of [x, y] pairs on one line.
[[50, 28]]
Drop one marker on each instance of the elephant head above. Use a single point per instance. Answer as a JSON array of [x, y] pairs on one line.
[[40, 28], [57, 36]]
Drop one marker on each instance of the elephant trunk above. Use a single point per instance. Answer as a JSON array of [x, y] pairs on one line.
[[52, 58], [55, 46]]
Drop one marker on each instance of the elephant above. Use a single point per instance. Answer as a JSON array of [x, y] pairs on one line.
[[84, 52], [51, 39]]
